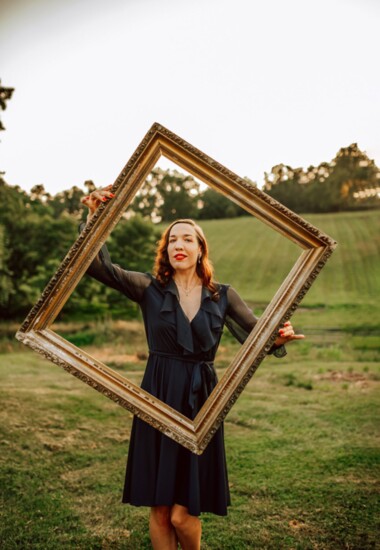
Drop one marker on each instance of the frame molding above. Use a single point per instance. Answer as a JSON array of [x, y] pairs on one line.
[[195, 434]]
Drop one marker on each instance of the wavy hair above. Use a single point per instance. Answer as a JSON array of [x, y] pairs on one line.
[[163, 269]]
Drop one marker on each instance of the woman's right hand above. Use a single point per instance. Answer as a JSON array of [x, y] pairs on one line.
[[97, 197]]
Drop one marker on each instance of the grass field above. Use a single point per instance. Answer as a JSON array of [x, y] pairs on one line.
[[256, 259], [302, 441]]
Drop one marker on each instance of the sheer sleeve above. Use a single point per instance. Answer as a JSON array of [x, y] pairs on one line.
[[240, 320], [130, 283]]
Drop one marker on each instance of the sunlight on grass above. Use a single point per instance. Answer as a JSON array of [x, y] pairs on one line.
[[300, 442]]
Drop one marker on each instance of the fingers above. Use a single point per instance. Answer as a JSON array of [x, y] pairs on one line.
[[104, 194], [287, 333], [101, 195], [97, 197]]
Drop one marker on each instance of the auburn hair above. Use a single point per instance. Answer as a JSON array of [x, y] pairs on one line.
[[163, 269]]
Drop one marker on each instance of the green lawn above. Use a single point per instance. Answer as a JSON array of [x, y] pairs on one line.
[[302, 441], [301, 447], [256, 259]]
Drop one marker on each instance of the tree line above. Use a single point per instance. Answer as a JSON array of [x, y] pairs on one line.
[[36, 234], [351, 181], [37, 228]]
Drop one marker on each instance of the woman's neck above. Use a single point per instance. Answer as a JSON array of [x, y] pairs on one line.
[[187, 280]]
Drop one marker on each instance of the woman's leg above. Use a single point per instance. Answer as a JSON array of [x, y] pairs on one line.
[[188, 528], [162, 532]]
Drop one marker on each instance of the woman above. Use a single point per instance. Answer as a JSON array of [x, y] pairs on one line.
[[184, 311]]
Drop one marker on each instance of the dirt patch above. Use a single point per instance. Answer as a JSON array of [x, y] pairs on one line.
[[356, 378], [53, 441], [296, 524], [119, 325], [351, 478], [98, 516], [108, 354]]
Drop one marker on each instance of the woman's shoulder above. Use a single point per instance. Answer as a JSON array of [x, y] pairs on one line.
[[222, 288], [155, 283], [221, 291], [229, 292]]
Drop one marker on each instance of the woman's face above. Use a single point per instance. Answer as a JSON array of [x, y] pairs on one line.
[[183, 246]]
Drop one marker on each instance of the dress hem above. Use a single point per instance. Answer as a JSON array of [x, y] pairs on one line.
[[181, 504]]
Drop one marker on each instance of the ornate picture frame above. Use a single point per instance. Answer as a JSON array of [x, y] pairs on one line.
[[36, 331]]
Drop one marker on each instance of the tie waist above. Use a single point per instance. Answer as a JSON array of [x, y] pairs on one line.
[[203, 377]]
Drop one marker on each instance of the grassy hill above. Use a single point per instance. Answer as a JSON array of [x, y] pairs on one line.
[[301, 441], [255, 259]]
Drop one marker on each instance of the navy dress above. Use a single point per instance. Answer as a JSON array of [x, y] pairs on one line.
[[179, 372]]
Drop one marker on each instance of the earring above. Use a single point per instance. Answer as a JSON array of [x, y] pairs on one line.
[[199, 258]]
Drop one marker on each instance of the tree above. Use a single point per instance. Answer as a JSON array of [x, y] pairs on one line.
[[6, 282], [167, 195], [34, 239], [216, 206], [133, 243], [350, 181], [5, 95], [354, 180], [67, 201]]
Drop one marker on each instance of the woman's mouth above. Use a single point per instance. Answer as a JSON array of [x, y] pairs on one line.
[[180, 256]]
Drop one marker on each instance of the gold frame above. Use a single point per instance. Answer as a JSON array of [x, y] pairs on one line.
[[195, 435]]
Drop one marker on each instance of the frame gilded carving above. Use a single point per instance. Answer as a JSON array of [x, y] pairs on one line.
[[36, 330]]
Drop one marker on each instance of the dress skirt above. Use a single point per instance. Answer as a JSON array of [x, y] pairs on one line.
[[161, 472]]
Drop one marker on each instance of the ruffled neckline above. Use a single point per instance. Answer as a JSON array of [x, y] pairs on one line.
[[203, 331]]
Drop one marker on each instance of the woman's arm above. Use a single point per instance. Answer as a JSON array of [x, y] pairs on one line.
[[130, 283], [239, 312], [240, 320]]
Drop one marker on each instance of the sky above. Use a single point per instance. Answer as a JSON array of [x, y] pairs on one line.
[[250, 83]]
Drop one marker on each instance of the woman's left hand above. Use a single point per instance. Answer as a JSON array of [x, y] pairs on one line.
[[286, 334]]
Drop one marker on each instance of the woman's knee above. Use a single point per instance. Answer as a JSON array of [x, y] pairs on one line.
[[179, 516], [161, 515]]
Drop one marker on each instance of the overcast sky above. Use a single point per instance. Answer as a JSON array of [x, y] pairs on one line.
[[250, 83]]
